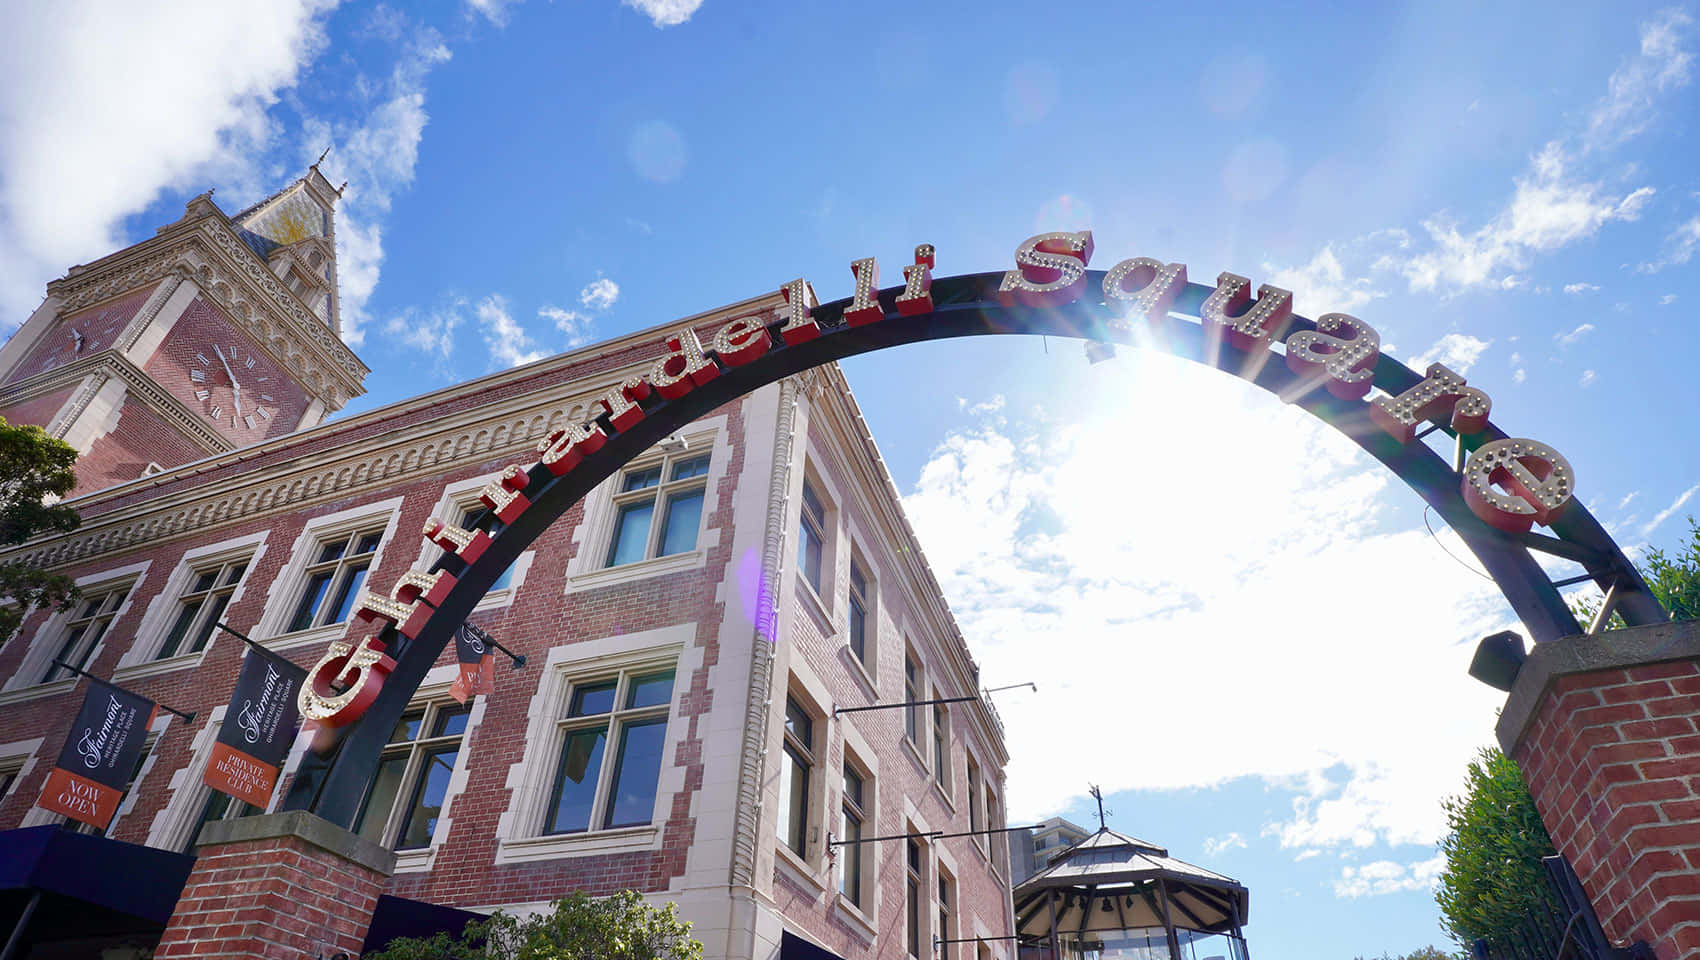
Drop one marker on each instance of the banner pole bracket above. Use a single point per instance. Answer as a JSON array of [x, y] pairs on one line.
[[187, 717]]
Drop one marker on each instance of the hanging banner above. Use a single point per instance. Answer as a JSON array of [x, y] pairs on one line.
[[259, 726], [477, 673], [100, 754]]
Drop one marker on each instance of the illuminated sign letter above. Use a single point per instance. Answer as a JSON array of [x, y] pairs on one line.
[[684, 368], [1248, 324], [1512, 483], [411, 602], [466, 544], [1050, 270], [1440, 391], [563, 449], [621, 402], [358, 668], [799, 300], [503, 494], [917, 295], [865, 305], [1144, 287], [1341, 353], [742, 340]]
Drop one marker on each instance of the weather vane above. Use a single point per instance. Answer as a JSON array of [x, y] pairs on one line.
[[1098, 795]]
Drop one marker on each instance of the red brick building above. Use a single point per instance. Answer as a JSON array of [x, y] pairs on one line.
[[657, 739]]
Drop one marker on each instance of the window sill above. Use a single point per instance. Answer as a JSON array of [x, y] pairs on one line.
[[607, 576], [944, 796], [860, 924], [859, 673], [577, 844], [153, 668], [495, 599], [415, 861], [915, 756], [787, 864], [36, 691], [311, 637], [816, 608]]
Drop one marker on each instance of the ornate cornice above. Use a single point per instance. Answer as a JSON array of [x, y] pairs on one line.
[[150, 310], [751, 772], [80, 400], [208, 251]]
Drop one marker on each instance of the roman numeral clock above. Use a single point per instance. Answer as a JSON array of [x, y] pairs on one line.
[[234, 388]]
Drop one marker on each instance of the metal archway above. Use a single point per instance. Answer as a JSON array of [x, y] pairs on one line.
[[333, 784]]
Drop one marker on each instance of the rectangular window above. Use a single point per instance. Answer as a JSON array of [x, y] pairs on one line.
[[811, 537], [598, 788], [850, 852], [941, 744], [87, 624], [912, 892], [200, 607], [470, 513], [129, 782], [795, 762], [947, 892], [858, 611], [658, 509], [412, 780], [334, 579], [976, 821], [999, 841], [912, 694]]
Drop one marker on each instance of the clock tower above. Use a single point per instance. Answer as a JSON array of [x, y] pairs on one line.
[[218, 332]]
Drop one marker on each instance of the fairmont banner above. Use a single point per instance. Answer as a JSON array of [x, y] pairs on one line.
[[477, 673], [99, 756], [259, 725]]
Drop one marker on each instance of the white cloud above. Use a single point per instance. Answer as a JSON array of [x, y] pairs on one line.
[[1667, 299], [1662, 64], [1072, 561], [1385, 876], [103, 105], [1321, 286], [510, 345], [1668, 512], [1519, 375], [1578, 288], [376, 155], [1459, 351], [577, 326], [599, 294], [1567, 340], [665, 13], [1216, 846], [1588, 378], [429, 331], [1679, 247], [1513, 282], [495, 11]]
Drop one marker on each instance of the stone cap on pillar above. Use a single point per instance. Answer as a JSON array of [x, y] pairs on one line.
[[1608, 650], [306, 827]]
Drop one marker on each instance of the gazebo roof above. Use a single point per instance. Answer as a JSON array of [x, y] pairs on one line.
[[1111, 881]]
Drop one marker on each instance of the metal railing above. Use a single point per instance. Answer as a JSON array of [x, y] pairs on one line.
[[1559, 925]]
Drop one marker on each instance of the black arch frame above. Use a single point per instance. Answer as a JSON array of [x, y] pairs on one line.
[[333, 784]]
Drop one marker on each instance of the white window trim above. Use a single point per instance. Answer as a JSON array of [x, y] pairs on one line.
[[585, 571], [530, 781], [36, 659], [862, 920], [832, 568], [187, 792], [458, 498], [157, 732], [436, 687], [138, 661], [863, 669], [19, 758], [284, 591]]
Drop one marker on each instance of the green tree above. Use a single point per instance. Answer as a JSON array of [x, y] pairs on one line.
[[34, 468], [1421, 953], [1493, 851], [620, 927], [1674, 581]]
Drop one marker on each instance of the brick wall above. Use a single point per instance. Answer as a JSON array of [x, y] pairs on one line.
[[1612, 757], [202, 328], [139, 437], [38, 410], [98, 324]]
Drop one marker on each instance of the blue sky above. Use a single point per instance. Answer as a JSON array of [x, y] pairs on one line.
[[1510, 190]]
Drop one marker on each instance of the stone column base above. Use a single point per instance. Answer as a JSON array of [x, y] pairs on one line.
[[1607, 731], [288, 886]]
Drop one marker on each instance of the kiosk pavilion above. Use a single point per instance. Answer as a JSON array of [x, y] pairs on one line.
[[654, 740]]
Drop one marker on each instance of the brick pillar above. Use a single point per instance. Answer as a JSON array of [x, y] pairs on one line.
[[287, 886], [1607, 731]]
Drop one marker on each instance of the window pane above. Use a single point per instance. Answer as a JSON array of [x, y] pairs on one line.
[[407, 729], [694, 467], [592, 699], [858, 627], [858, 582], [451, 721], [575, 783], [641, 479], [852, 787], [794, 799], [234, 572], [346, 596], [651, 691], [637, 769], [811, 505], [808, 556], [217, 603], [679, 528], [380, 800], [427, 803], [317, 584], [331, 551], [368, 542], [204, 582], [631, 533], [799, 724], [505, 580], [185, 617], [850, 884]]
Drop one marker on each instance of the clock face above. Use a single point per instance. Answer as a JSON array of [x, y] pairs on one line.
[[76, 339], [233, 387]]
